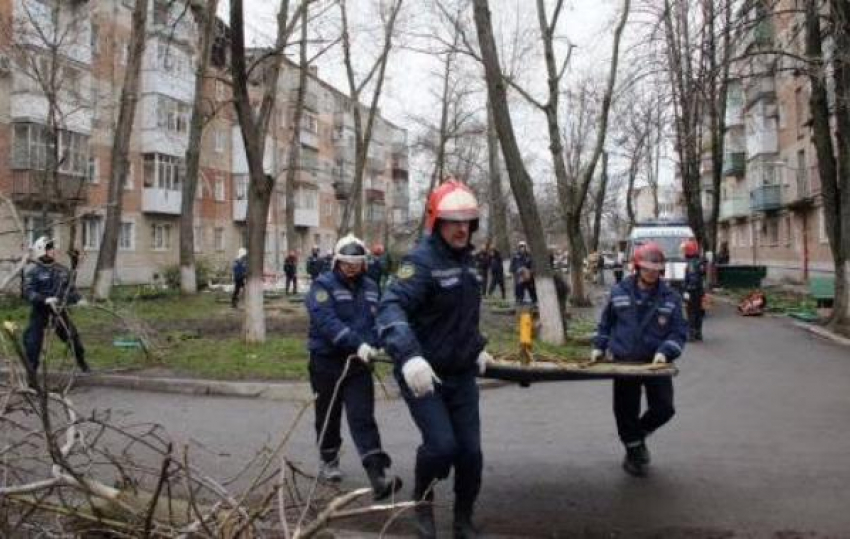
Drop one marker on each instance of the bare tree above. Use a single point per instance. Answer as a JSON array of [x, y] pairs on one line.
[[205, 17], [550, 315], [119, 163], [363, 131]]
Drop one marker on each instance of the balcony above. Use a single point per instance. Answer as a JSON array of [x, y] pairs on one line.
[[734, 114], [806, 187], [342, 189], [734, 207], [31, 187], [311, 100], [760, 88], [401, 201], [734, 164], [309, 139], [157, 200], [240, 210], [306, 217], [766, 198]]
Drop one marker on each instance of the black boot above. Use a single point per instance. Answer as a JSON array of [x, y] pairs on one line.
[[463, 528], [637, 459], [382, 487]]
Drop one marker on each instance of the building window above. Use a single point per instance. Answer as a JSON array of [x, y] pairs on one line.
[[240, 187], [35, 227], [219, 188], [92, 175], [127, 236], [789, 231], [770, 229], [32, 148], [198, 238], [218, 238], [92, 232], [822, 236], [172, 115], [128, 178], [309, 123], [220, 140], [220, 90], [95, 40], [163, 171], [160, 237]]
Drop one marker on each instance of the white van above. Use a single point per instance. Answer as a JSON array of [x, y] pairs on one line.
[[669, 236]]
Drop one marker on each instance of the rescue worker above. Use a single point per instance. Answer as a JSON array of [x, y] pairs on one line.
[[49, 289], [240, 273], [497, 272], [521, 268], [314, 264], [428, 322], [482, 260], [290, 269], [328, 261], [694, 288], [342, 343], [377, 264], [642, 322]]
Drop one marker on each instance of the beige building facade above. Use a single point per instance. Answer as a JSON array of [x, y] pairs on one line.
[[92, 69]]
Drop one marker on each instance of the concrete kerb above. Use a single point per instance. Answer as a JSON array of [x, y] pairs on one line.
[[279, 391], [821, 331]]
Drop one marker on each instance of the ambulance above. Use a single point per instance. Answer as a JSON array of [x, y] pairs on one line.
[[669, 235]]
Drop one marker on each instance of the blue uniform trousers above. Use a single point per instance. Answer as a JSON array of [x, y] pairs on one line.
[[357, 395], [451, 436], [631, 425], [40, 317]]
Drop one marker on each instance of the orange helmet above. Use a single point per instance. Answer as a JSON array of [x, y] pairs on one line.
[[452, 201], [690, 247], [377, 249], [650, 256]]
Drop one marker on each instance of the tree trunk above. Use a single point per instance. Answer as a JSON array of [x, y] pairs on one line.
[[294, 155], [600, 203], [553, 330], [498, 208], [105, 269], [205, 18]]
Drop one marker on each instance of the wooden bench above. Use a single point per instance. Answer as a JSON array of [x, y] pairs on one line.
[[822, 289]]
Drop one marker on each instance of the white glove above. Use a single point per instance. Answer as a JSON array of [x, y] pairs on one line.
[[419, 376], [483, 358], [51, 301], [366, 353], [686, 296], [596, 355], [659, 359]]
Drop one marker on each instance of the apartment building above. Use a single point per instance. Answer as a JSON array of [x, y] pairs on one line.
[[771, 207], [84, 112]]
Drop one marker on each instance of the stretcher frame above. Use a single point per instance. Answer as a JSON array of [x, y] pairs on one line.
[[546, 371]]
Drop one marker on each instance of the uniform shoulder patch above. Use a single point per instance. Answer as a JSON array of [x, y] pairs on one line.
[[406, 271], [320, 296]]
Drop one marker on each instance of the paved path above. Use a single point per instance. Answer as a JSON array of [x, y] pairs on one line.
[[760, 446]]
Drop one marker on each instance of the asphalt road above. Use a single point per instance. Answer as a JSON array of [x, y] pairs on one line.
[[760, 446]]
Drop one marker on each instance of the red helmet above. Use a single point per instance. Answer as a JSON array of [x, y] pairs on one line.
[[377, 249], [690, 247], [452, 201], [650, 256]]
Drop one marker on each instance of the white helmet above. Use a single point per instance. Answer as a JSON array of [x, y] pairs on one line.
[[241, 252], [41, 246], [349, 249]]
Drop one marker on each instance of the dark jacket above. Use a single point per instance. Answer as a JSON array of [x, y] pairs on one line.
[[290, 265], [432, 308], [496, 268], [314, 265], [636, 324], [342, 317], [694, 275], [49, 280], [240, 269], [376, 268], [519, 261]]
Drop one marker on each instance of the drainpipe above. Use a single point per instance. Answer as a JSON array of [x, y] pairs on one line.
[[805, 247]]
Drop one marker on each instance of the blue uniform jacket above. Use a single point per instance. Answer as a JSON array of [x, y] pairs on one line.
[[43, 281], [432, 308], [240, 269], [635, 325], [342, 317], [314, 266], [694, 274], [375, 269], [519, 261]]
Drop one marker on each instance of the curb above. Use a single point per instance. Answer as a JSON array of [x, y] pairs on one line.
[[823, 332], [277, 391]]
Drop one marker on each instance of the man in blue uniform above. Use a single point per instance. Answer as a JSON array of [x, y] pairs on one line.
[[343, 340], [522, 269], [694, 288], [314, 264], [49, 289], [240, 273], [377, 266], [642, 322], [428, 321]]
